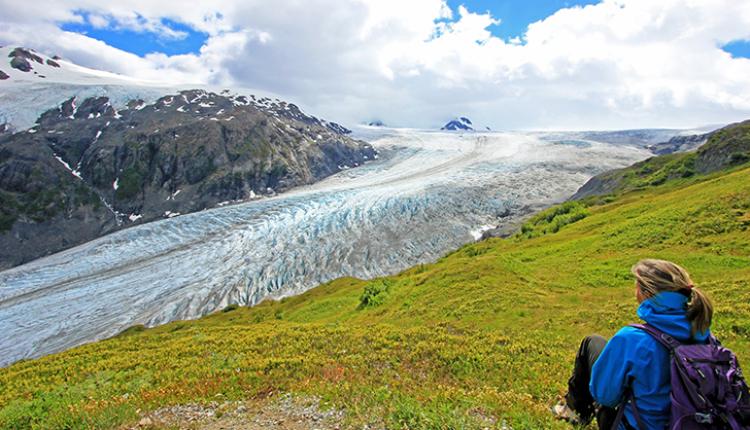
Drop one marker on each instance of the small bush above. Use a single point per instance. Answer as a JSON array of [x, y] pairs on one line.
[[133, 330], [374, 295], [554, 218], [231, 308]]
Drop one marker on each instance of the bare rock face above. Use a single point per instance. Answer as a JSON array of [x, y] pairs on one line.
[[21, 59], [680, 144], [26, 54], [87, 169], [21, 64], [3, 76]]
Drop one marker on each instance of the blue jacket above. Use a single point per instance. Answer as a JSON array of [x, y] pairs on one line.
[[632, 354]]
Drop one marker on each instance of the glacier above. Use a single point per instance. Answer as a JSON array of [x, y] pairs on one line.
[[427, 193]]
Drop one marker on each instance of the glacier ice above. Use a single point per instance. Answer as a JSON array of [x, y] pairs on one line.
[[428, 193]]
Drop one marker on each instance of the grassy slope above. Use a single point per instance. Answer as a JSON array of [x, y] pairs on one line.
[[490, 330], [726, 148]]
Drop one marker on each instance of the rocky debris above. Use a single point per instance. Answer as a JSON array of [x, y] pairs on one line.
[[510, 221], [279, 412], [458, 124], [3, 76], [86, 168]]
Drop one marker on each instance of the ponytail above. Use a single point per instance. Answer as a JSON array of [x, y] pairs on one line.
[[655, 276], [699, 311]]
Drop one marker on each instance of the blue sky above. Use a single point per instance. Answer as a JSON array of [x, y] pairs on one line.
[[405, 70], [515, 16], [738, 48], [143, 42]]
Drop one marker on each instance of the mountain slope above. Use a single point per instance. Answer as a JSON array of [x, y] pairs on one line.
[[90, 166], [484, 336], [724, 148]]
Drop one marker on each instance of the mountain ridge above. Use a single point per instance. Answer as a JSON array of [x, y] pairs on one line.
[[93, 165]]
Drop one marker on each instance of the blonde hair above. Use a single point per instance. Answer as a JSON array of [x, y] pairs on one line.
[[654, 276]]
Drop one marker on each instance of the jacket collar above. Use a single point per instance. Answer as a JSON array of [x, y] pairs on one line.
[[667, 312]]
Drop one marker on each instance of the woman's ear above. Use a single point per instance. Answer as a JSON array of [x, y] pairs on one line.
[[639, 294]]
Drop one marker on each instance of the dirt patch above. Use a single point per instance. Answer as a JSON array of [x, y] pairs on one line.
[[281, 412]]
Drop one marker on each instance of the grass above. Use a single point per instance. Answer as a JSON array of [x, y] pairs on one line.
[[485, 335]]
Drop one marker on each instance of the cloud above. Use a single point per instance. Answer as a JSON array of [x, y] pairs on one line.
[[616, 64]]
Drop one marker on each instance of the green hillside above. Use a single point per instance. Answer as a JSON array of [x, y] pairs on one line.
[[726, 148], [485, 335]]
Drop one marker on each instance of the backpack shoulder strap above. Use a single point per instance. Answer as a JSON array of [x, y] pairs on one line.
[[668, 341]]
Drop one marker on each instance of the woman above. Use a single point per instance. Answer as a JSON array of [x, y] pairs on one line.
[[633, 360]]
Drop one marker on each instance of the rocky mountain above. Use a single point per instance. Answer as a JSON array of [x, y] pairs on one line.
[[88, 167], [458, 124], [723, 149], [680, 143]]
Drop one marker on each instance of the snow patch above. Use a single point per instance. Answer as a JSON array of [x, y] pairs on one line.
[[75, 173], [116, 184], [478, 232], [135, 217]]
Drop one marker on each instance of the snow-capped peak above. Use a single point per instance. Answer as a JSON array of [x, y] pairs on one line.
[[459, 124], [25, 65]]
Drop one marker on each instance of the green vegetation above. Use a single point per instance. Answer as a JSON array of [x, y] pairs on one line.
[[37, 205], [486, 334], [130, 183], [375, 294], [553, 219]]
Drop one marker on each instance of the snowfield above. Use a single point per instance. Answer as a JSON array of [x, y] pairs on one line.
[[427, 194]]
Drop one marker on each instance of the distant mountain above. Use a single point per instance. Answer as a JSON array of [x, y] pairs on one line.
[[90, 166], [458, 124], [376, 123]]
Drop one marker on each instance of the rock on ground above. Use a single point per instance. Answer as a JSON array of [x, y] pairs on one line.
[[281, 412]]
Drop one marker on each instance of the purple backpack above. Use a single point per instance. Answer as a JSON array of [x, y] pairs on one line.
[[708, 390]]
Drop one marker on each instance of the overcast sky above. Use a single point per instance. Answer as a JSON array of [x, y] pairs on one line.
[[418, 63]]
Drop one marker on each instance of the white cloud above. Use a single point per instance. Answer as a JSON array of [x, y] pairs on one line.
[[620, 63]]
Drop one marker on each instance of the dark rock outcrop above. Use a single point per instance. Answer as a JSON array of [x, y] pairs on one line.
[[27, 54], [3, 76], [20, 63], [87, 169]]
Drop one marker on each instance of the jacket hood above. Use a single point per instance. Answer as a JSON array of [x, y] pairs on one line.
[[667, 312]]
